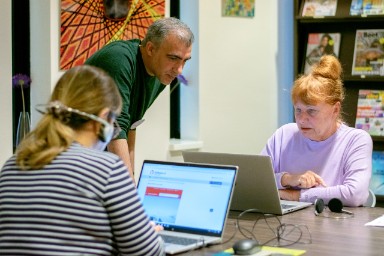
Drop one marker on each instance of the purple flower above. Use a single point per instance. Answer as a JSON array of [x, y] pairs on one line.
[[182, 79], [21, 81]]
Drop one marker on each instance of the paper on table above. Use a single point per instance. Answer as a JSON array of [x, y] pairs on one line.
[[379, 222], [267, 251]]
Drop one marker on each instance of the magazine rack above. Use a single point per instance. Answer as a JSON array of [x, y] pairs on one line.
[[347, 25]]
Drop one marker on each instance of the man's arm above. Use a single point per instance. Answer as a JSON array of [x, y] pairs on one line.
[[131, 150], [125, 150]]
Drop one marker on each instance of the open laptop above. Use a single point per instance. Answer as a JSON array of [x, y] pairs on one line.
[[191, 201], [255, 186]]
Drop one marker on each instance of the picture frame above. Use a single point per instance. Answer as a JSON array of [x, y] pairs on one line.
[[86, 26]]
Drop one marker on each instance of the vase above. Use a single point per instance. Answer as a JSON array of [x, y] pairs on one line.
[[23, 127]]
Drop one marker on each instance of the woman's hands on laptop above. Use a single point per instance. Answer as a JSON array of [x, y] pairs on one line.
[[307, 179]]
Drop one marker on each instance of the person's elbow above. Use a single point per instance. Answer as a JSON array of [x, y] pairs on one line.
[[356, 200]]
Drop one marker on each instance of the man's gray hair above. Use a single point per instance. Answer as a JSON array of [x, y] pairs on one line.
[[161, 28]]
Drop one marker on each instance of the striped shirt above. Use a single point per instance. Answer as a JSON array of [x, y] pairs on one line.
[[82, 203]]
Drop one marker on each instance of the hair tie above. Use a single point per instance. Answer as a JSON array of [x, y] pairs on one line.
[[57, 110]]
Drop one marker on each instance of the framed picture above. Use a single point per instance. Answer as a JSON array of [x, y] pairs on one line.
[[86, 26], [238, 8]]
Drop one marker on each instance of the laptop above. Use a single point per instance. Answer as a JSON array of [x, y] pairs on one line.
[[190, 200], [255, 186]]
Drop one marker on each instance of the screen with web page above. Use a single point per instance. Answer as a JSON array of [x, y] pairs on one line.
[[186, 196]]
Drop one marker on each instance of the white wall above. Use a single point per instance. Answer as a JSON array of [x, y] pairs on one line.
[[231, 103], [5, 81], [45, 34], [233, 78], [238, 78]]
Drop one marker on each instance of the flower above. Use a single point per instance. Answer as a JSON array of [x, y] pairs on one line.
[[182, 79], [21, 81]]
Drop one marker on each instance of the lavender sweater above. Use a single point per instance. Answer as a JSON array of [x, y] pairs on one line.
[[344, 161]]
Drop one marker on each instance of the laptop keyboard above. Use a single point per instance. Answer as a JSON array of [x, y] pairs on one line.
[[178, 240]]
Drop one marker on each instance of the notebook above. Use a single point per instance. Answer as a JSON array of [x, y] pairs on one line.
[[255, 186], [190, 200]]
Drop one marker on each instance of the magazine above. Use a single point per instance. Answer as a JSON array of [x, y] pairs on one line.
[[373, 7], [356, 7], [368, 56], [319, 8], [370, 112], [320, 44]]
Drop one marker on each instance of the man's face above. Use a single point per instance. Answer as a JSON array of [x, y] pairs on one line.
[[168, 59]]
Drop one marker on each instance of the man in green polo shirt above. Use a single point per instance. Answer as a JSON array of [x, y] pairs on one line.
[[141, 70]]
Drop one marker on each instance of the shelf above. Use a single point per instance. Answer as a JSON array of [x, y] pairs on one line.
[[180, 145], [347, 26], [363, 79], [378, 138], [340, 19]]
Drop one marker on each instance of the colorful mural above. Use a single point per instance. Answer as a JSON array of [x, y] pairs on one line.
[[88, 25]]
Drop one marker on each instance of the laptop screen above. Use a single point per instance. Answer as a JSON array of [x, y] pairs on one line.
[[187, 197]]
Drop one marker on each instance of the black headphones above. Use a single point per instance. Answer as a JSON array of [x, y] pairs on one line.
[[335, 205]]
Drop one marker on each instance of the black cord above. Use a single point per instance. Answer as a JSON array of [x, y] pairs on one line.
[[238, 226], [285, 238], [232, 236], [284, 234], [260, 215]]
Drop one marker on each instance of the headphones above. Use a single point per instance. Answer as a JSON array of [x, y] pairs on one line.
[[335, 205], [60, 110]]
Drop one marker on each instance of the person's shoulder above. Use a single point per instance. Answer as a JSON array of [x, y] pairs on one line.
[[290, 127], [116, 49], [286, 130], [131, 45], [10, 163], [355, 132]]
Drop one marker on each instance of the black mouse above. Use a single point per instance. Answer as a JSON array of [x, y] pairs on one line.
[[246, 247]]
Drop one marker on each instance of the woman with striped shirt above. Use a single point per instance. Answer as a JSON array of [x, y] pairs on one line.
[[61, 194]]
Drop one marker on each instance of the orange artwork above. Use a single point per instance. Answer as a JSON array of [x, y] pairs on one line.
[[88, 25]]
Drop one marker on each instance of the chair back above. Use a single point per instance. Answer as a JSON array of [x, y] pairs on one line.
[[371, 201]]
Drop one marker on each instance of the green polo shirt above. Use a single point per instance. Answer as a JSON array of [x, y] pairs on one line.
[[122, 60]]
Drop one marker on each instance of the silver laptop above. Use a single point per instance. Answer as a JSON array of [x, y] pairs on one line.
[[255, 186], [191, 201]]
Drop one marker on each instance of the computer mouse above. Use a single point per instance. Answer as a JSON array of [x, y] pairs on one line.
[[246, 247]]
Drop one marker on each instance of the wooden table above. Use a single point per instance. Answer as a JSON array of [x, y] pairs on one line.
[[330, 236]]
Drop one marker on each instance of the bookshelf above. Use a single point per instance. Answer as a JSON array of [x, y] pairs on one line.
[[346, 24]]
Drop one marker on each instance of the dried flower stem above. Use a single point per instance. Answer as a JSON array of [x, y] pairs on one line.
[[22, 97]]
